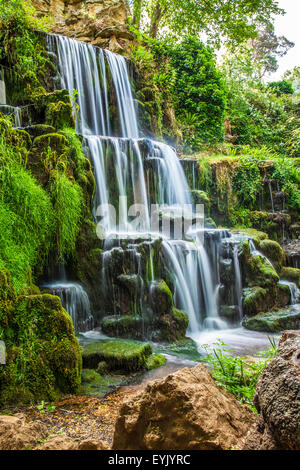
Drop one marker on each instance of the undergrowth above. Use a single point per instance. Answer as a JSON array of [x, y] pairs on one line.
[[238, 375]]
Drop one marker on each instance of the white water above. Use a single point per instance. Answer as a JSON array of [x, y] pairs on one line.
[[12, 111], [195, 291], [126, 108], [295, 292]]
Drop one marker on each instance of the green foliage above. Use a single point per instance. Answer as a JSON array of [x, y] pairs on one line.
[[67, 200], [233, 20], [237, 374], [247, 180], [282, 86], [187, 90], [259, 114], [199, 94], [20, 47], [26, 215], [43, 407]]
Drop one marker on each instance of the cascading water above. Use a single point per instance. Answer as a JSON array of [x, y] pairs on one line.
[[295, 292], [121, 165]]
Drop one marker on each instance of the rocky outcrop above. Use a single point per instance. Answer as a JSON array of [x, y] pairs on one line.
[[185, 410], [16, 434], [102, 23], [277, 399]]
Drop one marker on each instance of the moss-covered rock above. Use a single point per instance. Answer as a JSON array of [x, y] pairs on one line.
[[37, 130], [257, 271], [154, 361], [96, 384], [43, 355], [118, 354], [291, 274], [273, 322], [161, 299], [173, 326], [201, 197], [273, 251], [59, 115], [257, 299], [123, 326]]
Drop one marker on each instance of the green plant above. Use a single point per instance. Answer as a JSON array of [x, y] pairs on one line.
[[238, 375], [67, 200], [43, 407]]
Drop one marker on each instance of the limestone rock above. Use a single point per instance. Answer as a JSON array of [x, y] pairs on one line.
[[185, 410], [88, 20], [277, 399], [15, 434]]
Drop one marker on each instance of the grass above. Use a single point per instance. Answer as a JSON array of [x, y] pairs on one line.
[[238, 375]]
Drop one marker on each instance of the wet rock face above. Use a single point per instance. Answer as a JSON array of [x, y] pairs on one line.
[[101, 22], [277, 398], [185, 410]]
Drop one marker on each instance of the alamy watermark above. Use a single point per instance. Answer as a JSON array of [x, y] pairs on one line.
[[2, 352], [139, 221]]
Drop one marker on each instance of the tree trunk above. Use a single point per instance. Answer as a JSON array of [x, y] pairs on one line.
[[155, 19]]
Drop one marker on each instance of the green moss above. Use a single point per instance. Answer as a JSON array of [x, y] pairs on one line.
[[173, 326], [119, 354], [273, 251], [274, 322], [161, 297], [257, 299], [186, 348], [60, 115], [43, 354], [98, 385], [67, 200], [291, 274], [257, 270], [122, 326], [201, 197], [256, 235], [254, 300], [154, 361], [37, 130]]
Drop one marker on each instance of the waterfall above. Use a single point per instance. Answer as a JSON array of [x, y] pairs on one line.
[[136, 170], [2, 92], [126, 108], [76, 302], [238, 281], [14, 111], [271, 196], [255, 252], [295, 292]]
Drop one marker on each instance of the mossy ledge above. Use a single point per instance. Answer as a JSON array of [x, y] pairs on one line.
[[126, 355]]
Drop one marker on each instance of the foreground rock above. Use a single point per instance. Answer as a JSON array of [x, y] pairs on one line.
[[277, 399], [16, 434], [185, 410]]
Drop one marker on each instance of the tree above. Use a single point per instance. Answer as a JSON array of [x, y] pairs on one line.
[[267, 47], [234, 20]]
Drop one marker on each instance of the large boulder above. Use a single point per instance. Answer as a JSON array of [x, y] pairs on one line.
[[277, 399], [185, 410]]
